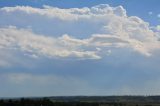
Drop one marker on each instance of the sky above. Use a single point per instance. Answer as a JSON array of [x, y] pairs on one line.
[[79, 47]]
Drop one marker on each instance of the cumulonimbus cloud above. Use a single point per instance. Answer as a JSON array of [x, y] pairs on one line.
[[83, 33]]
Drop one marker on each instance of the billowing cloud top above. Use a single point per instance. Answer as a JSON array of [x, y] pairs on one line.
[[75, 33]]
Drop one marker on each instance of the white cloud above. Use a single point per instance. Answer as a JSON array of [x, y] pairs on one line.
[[24, 40], [158, 27], [69, 14], [66, 46], [75, 32], [29, 35], [150, 13], [158, 15]]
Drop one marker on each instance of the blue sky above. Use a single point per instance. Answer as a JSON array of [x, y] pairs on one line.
[[79, 47]]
